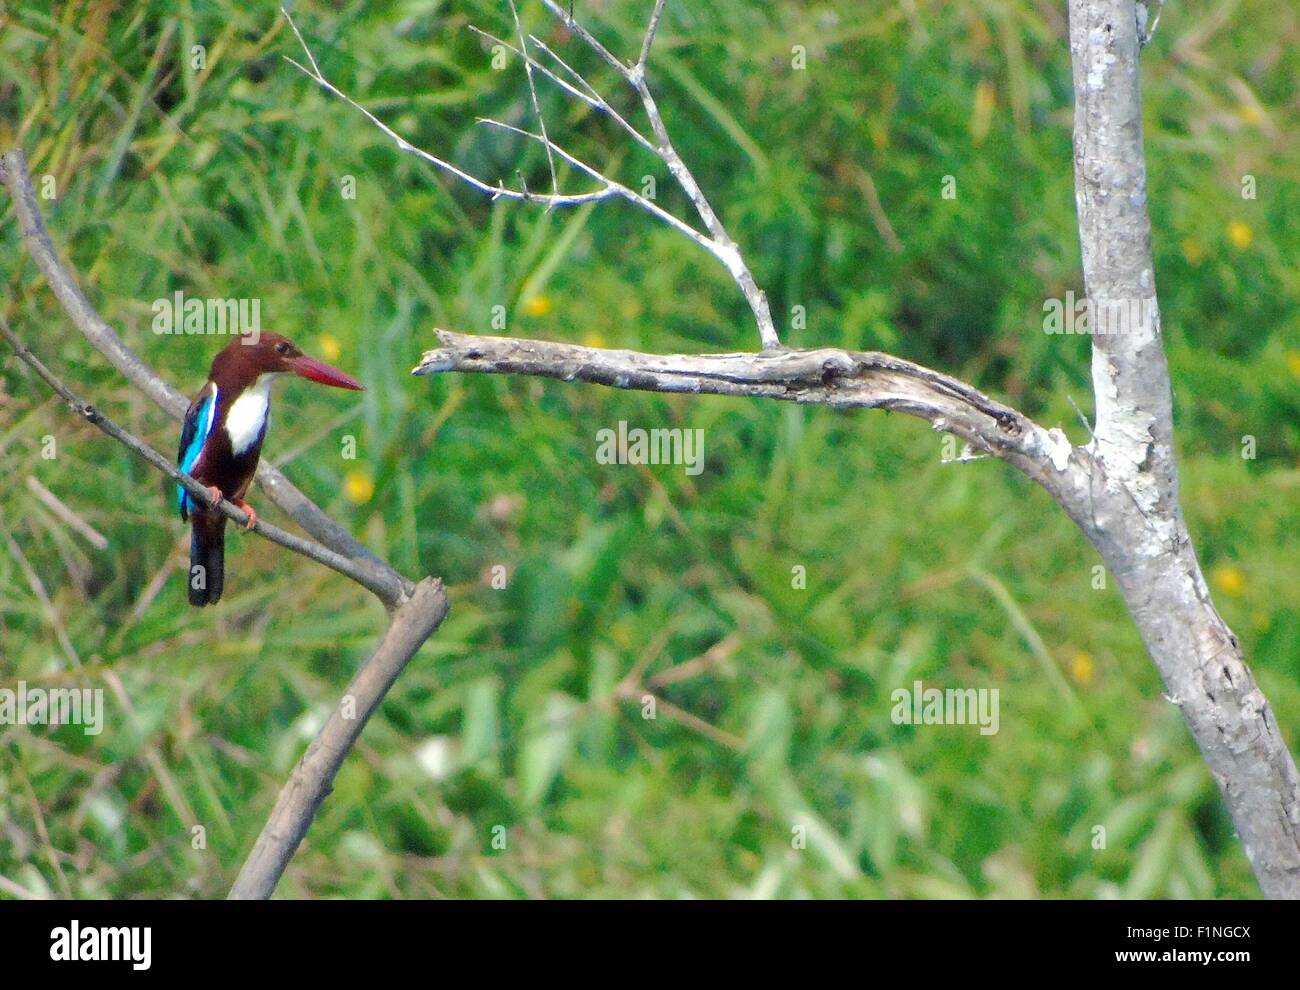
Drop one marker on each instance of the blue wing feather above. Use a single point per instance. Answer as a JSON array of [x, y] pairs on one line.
[[198, 424]]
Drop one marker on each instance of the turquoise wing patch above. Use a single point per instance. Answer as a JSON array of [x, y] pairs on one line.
[[195, 432]]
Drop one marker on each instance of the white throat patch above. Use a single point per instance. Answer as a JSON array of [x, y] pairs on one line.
[[247, 417]]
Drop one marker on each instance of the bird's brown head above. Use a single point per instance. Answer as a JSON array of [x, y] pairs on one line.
[[257, 354]]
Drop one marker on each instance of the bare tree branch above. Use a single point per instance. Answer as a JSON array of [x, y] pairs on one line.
[[390, 593], [412, 624], [415, 611], [717, 242], [649, 39], [827, 376], [616, 188], [14, 175], [532, 93], [498, 191], [586, 94], [635, 77], [1121, 489], [1134, 517]]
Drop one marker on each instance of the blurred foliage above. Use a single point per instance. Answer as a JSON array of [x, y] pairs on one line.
[[520, 724]]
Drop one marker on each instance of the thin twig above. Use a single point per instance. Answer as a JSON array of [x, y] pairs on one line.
[[723, 254], [590, 97], [495, 191], [14, 174], [878, 215], [717, 241], [389, 592], [56, 505], [649, 37], [725, 247], [532, 93], [415, 610], [38, 589]]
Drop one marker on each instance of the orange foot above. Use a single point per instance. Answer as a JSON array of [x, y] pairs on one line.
[[216, 493], [252, 514]]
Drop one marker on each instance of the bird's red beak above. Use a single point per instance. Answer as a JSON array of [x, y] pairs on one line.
[[319, 371]]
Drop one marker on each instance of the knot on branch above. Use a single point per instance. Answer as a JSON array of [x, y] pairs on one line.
[[838, 366]]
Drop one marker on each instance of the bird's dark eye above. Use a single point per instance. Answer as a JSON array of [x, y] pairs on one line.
[[283, 348]]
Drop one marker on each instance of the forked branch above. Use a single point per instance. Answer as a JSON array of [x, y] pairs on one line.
[[415, 610], [15, 176], [714, 239], [391, 592], [1121, 490]]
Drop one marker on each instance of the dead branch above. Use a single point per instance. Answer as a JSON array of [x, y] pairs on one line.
[[1121, 489], [716, 241], [415, 610]]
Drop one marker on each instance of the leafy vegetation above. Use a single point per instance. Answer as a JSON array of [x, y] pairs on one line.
[[522, 719]]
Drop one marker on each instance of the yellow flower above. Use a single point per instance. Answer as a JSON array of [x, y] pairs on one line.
[[982, 114], [329, 347], [538, 305], [879, 132], [621, 632], [1250, 113], [1229, 579], [593, 339], [1293, 362], [1193, 251], [358, 487], [1240, 234], [1082, 668]]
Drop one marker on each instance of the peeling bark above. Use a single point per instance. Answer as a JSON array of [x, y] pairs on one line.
[[1133, 515]]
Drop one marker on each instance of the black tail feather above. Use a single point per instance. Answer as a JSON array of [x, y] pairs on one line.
[[207, 558]]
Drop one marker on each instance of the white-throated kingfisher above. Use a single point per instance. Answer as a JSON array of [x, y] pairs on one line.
[[222, 441]]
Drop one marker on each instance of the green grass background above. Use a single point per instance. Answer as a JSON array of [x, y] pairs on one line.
[[774, 711]]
